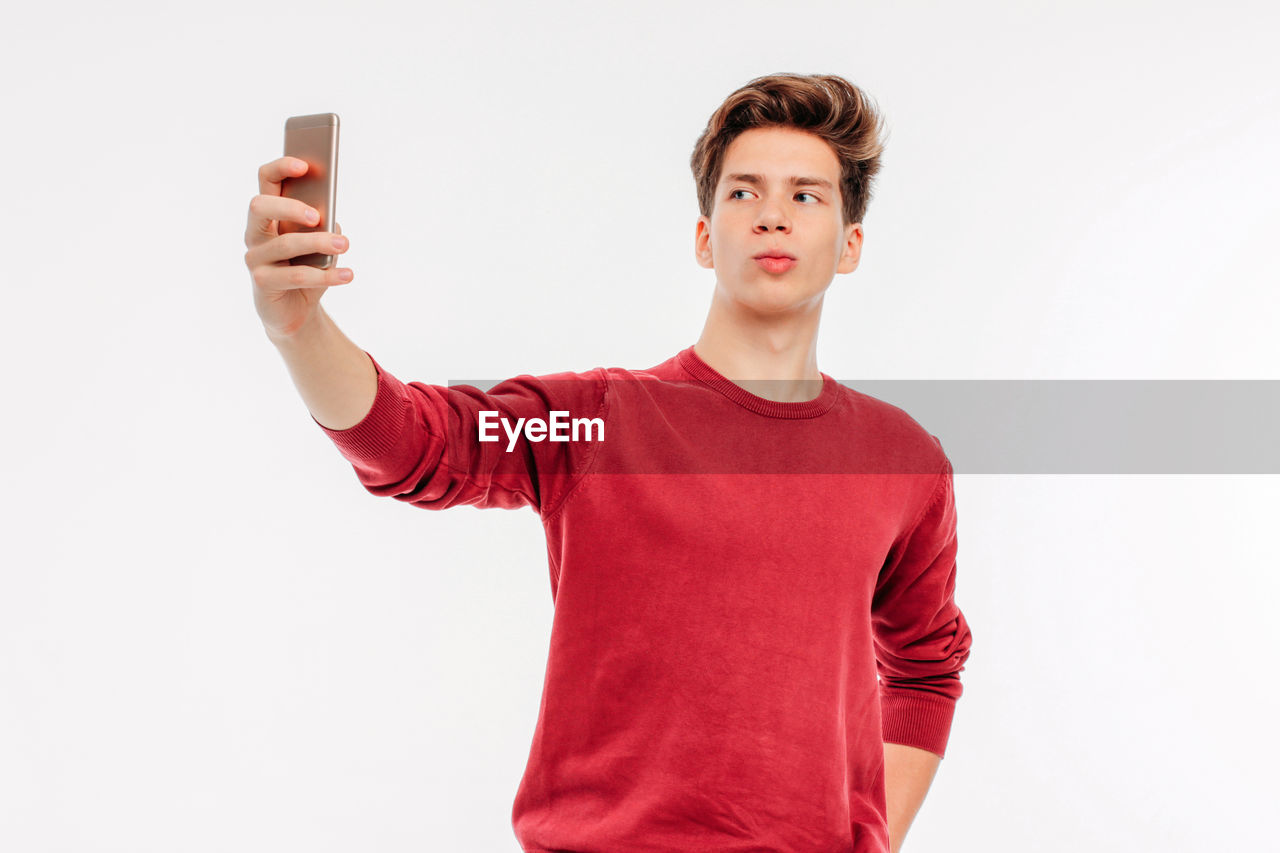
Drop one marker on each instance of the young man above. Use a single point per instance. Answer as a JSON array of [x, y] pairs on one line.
[[738, 544]]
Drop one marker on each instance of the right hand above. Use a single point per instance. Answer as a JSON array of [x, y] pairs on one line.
[[285, 295]]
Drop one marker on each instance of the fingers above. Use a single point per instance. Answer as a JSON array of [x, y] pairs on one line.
[[270, 206], [270, 175], [300, 277], [285, 276], [269, 250], [296, 243], [264, 210]]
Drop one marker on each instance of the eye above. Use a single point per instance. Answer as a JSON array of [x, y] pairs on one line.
[[734, 194]]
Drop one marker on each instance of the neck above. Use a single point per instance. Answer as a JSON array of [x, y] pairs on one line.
[[774, 357]]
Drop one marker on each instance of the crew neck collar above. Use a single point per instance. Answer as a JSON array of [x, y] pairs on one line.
[[707, 374]]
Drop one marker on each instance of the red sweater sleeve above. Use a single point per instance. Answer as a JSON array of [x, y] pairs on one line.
[[420, 443], [921, 638]]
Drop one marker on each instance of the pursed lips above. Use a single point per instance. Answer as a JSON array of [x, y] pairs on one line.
[[775, 261]]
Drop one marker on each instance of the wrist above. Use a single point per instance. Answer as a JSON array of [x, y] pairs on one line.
[[305, 333]]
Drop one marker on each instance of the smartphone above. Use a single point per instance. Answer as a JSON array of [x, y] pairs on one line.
[[313, 138]]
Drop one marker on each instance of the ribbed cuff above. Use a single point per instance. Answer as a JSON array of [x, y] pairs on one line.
[[381, 428], [915, 718]]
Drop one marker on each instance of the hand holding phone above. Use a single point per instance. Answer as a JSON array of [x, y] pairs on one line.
[[282, 232]]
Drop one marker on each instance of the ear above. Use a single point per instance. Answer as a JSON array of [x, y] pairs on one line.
[[702, 243], [852, 248]]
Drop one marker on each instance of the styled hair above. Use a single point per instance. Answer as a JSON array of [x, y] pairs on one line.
[[825, 105]]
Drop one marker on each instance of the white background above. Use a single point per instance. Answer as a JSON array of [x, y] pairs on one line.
[[212, 638]]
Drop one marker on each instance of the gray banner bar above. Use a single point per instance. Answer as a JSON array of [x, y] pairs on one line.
[[1069, 426], [1092, 426]]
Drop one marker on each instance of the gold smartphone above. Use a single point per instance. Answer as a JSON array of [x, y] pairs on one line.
[[313, 138]]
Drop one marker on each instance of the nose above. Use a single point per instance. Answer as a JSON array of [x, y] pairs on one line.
[[772, 217]]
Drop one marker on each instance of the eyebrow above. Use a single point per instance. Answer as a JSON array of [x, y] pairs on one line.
[[795, 181]]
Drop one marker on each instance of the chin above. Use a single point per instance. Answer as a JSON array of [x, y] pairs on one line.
[[773, 297], [774, 307]]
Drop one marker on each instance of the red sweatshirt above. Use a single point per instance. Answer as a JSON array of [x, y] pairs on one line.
[[730, 574]]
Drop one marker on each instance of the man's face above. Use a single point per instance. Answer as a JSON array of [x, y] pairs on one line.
[[757, 209]]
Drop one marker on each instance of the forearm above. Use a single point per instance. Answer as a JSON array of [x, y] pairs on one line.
[[908, 773], [335, 377]]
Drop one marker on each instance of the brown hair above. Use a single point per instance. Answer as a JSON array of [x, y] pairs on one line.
[[825, 105]]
